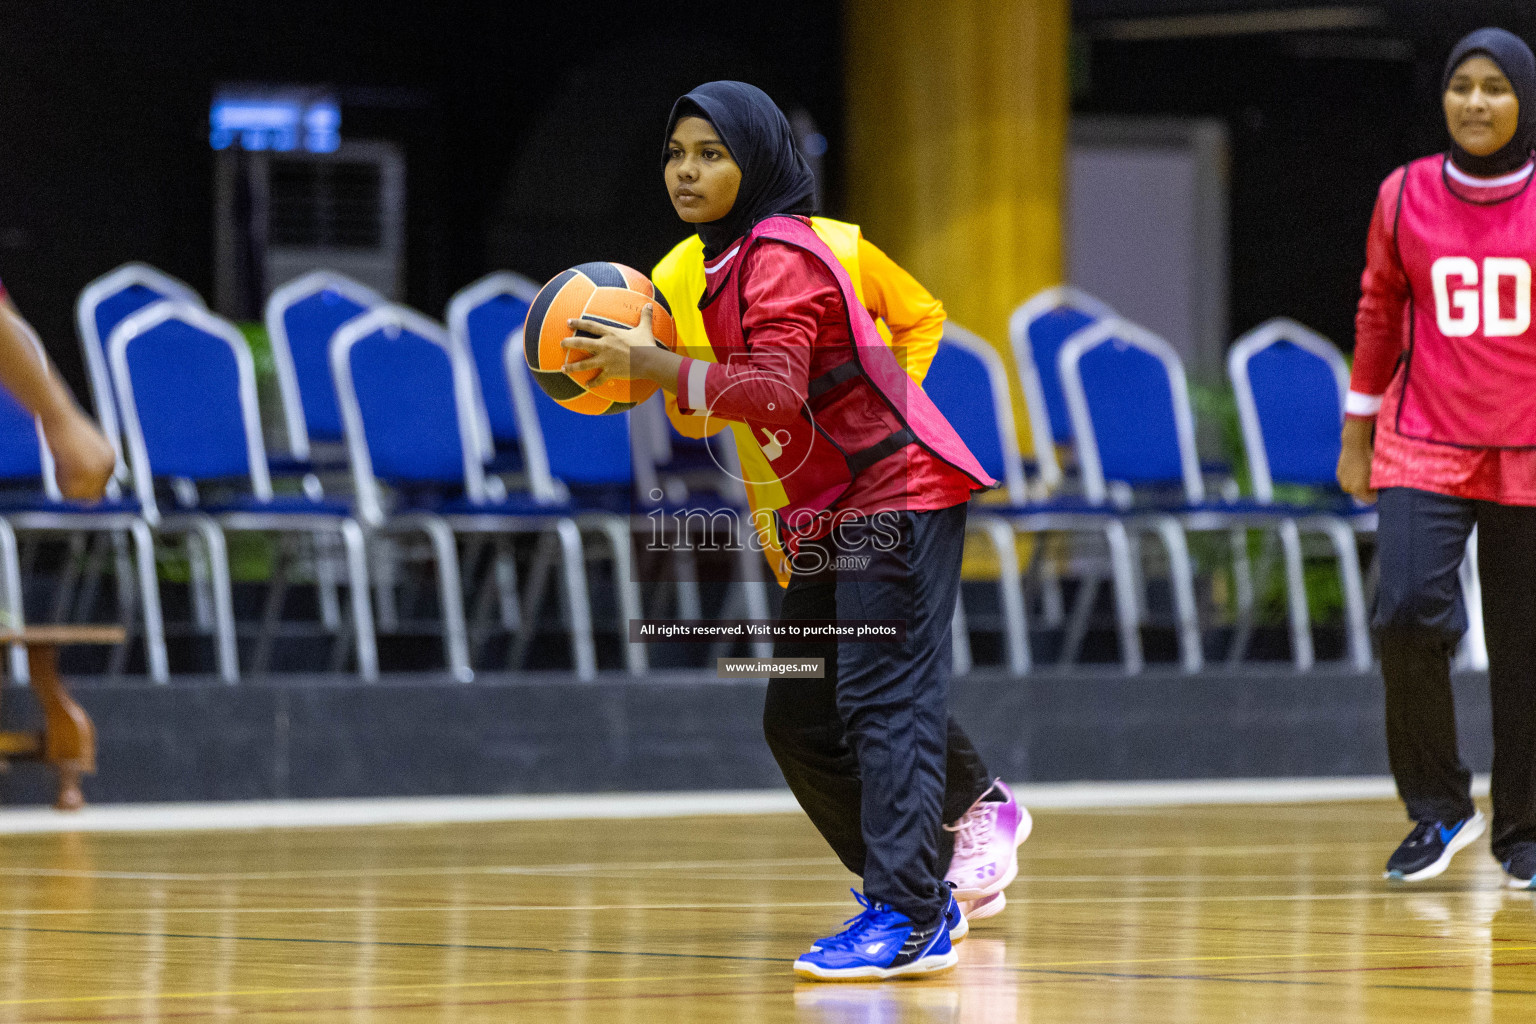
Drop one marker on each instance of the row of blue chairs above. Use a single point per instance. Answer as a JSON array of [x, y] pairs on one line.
[[385, 396], [428, 424], [1113, 397]]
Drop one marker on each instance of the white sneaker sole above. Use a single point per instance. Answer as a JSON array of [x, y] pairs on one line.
[[1469, 832], [1001, 882], [926, 967]]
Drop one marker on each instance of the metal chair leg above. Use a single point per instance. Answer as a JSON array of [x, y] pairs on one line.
[[1242, 631], [505, 570], [90, 582], [199, 585], [1181, 571], [15, 615], [1296, 597], [63, 595], [960, 638], [1126, 604], [206, 539], [362, 610], [450, 597], [127, 604], [636, 656], [123, 578], [149, 603], [573, 562], [1138, 578], [272, 613], [384, 578], [325, 583], [1243, 596], [1010, 593], [538, 582], [1347, 552], [1075, 629], [1053, 608]]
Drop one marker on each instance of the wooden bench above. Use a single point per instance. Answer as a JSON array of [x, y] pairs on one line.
[[68, 739]]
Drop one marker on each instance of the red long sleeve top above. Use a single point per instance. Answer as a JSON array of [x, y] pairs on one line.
[[1504, 475], [796, 329]]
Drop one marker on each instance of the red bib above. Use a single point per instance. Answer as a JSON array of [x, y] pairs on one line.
[[1470, 373], [817, 457]]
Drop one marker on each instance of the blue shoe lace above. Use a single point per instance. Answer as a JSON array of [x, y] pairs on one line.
[[855, 927]]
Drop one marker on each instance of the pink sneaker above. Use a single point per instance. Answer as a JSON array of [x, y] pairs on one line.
[[980, 910], [987, 838]]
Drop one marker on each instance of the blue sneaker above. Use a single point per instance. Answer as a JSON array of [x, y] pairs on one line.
[[954, 919], [1429, 848], [880, 943]]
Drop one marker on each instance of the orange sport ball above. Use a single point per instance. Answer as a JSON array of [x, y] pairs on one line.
[[607, 292]]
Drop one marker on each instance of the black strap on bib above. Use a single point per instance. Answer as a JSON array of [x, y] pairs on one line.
[[858, 462], [832, 378]]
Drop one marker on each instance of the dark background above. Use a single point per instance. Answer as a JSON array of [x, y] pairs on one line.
[[1315, 120], [532, 131]]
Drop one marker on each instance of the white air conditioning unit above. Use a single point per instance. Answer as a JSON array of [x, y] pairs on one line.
[[293, 212]]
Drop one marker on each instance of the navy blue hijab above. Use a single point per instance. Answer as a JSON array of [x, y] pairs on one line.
[[1514, 58], [775, 177]]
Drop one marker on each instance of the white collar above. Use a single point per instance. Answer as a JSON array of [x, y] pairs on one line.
[[721, 262], [1508, 179]]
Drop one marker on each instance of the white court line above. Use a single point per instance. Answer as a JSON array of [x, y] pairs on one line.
[[449, 810]]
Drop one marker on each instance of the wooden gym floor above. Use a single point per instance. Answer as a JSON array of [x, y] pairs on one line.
[[1190, 914]]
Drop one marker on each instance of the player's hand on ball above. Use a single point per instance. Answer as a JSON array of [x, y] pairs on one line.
[[610, 353]]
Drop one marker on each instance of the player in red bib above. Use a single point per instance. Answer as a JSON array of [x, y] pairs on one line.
[[1445, 379], [876, 484]]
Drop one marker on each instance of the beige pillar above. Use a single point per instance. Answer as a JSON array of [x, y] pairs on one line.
[[957, 124]]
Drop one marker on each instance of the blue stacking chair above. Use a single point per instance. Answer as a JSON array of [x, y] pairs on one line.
[[1036, 332], [1135, 435], [411, 415], [480, 317], [485, 317], [187, 389], [969, 384], [966, 380], [301, 316], [35, 506], [102, 305], [1290, 384]]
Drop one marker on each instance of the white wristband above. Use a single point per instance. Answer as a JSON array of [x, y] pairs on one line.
[[698, 370], [1357, 404]]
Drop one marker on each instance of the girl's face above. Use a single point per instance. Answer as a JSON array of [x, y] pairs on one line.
[[702, 179], [1481, 110]]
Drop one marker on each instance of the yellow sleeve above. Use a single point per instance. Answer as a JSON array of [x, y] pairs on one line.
[[680, 277], [914, 317]]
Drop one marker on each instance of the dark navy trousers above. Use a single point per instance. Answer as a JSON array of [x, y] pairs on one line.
[[867, 751], [1419, 619]]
